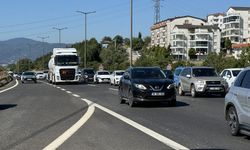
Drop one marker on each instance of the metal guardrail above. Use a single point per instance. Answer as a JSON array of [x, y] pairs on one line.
[[4, 78]]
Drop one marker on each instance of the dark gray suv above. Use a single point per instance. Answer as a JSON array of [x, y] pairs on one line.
[[201, 80]]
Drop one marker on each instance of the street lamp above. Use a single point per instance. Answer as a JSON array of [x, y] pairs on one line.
[[131, 31], [85, 52], [43, 38], [59, 30]]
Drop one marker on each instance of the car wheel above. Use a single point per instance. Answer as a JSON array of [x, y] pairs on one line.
[[232, 121], [180, 91], [193, 92], [120, 97], [131, 102]]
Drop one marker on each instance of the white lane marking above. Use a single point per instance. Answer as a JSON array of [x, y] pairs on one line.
[[68, 92], [63, 89], [10, 87], [67, 134], [144, 129], [91, 85], [113, 89], [75, 95]]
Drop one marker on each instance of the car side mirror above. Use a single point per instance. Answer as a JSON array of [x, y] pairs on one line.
[[228, 76], [126, 77], [188, 76]]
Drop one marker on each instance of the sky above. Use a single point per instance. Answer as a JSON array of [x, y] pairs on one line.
[[36, 18]]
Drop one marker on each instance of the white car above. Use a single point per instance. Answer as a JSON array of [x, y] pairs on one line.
[[230, 74], [102, 77], [116, 76], [237, 106], [40, 76]]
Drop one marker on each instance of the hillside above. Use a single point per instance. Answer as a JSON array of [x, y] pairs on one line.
[[18, 48]]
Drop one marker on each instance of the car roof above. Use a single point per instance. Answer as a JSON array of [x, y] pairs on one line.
[[233, 68]]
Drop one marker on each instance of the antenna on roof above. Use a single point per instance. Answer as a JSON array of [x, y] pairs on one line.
[[157, 13]]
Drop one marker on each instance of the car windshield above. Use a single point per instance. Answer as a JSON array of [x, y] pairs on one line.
[[204, 72], [88, 71], [66, 60], [148, 73], [39, 73], [28, 73], [177, 72], [119, 73], [235, 72], [103, 73]]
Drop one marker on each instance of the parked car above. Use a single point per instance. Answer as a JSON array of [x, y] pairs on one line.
[[230, 74], [237, 108], [177, 72], [87, 74], [146, 84], [201, 80], [40, 76], [116, 76], [17, 76], [102, 77], [28, 76]]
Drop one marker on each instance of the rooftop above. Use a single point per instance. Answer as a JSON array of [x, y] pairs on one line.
[[240, 8]]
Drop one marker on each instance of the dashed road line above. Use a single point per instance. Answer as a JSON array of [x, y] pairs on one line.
[[91, 85], [113, 89], [10, 87], [67, 134]]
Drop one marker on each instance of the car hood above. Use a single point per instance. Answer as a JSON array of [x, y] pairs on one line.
[[153, 81], [103, 76], [29, 76], [209, 78]]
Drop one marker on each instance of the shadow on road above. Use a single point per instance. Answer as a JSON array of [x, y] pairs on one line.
[[7, 106], [160, 104]]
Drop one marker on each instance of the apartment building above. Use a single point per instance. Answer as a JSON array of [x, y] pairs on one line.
[[161, 32], [203, 38], [183, 33], [216, 20], [237, 25]]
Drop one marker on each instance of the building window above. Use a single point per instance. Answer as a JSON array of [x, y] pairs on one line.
[[186, 22]]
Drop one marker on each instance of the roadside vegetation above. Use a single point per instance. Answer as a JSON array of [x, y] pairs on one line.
[[112, 54]]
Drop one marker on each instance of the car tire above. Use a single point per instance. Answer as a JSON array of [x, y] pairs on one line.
[[193, 92], [180, 91], [232, 121], [131, 102], [121, 100]]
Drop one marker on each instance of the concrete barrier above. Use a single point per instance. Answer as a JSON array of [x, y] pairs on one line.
[[5, 78]]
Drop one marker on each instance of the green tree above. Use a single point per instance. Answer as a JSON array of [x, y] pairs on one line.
[[192, 53], [118, 39]]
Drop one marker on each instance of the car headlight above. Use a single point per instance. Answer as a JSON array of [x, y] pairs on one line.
[[171, 86], [201, 82], [140, 86]]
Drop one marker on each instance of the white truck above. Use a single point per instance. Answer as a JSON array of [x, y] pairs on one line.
[[63, 66]]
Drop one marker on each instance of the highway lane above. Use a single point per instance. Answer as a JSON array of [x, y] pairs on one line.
[[195, 123], [33, 115]]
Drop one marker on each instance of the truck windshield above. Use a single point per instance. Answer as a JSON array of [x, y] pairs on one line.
[[66, 60]]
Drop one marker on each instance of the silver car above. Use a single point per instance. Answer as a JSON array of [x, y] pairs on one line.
[[237, 104], [201, 80]]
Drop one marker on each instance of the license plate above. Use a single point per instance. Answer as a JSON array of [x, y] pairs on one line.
[[29, 79], [158, 94], [214, 88]]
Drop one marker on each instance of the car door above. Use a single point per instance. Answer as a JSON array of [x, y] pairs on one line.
[[187, 79], [183, 79]]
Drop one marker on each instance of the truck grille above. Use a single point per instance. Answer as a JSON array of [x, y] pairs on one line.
[[213, 82], [67, 74]]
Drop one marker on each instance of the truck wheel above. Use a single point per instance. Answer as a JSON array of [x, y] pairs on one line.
[[232, 121]]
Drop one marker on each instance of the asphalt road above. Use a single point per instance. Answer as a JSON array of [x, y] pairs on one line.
[[34, 115]]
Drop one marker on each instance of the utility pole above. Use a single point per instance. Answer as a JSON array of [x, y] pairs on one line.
[[29, 54], [43, 38], [59, 30], [85, 52], [131, 31]]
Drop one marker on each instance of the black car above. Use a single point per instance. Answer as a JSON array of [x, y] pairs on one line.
[[28, 76], [146, 84], [88, 75]]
